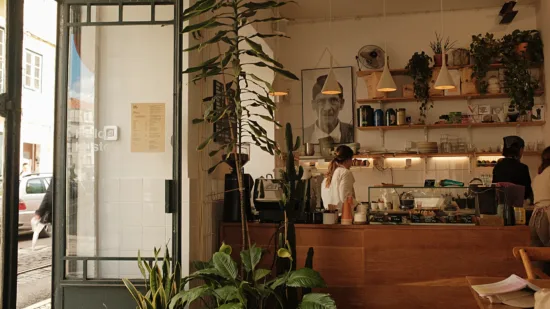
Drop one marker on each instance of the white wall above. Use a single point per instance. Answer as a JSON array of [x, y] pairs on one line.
[[543, 24], [406, 34]]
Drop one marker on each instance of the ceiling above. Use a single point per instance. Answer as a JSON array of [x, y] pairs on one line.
[[319, 9]]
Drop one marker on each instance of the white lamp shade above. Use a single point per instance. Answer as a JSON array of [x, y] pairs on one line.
[[386, 83], [331, 84], [444, 80], [278, 87]]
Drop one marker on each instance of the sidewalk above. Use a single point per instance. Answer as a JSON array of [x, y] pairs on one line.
[[45, 304]]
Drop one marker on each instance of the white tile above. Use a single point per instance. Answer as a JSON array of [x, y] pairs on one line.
[[154, 215], [131, 214], [110, 190], [153, 190], [131, 238], [154, 237], [129, 270], [131, 190]]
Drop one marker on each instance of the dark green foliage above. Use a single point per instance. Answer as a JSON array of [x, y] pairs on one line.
[[484, 50], [419, 69]]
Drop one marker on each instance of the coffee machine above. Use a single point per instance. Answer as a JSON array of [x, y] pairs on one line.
[[231, 197]]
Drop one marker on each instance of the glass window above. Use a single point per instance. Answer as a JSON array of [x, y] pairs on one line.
[[32, 73], [35, 186], [2, 61]]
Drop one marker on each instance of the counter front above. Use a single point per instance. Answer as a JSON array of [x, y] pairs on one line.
[[385, 267]]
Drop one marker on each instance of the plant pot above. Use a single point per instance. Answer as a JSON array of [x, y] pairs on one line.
[[521, 48], [524, 117], [438, 60]]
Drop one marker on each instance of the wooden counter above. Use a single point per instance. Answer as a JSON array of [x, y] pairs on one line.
[[405, 267]]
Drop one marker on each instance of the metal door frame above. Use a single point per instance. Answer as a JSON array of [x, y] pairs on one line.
[[174, 194], [10, 109]]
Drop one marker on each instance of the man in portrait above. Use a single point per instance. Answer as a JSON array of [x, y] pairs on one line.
[[327, 108]]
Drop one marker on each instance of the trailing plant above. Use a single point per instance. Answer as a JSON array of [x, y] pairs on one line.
[[226, 19], [437, 45], [519, 84], [219, 284], [419, 69], [161, 283], [483, 49], [293, 203]]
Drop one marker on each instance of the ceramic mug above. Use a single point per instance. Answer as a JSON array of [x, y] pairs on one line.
[[330, 218], [362, 208]]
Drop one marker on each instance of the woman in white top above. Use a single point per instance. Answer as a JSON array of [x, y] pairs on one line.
[[338, 183], [539, 224]]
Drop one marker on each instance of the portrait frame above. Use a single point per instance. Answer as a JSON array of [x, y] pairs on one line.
[[346, 115]]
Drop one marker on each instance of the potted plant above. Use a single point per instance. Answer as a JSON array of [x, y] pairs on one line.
[[484, 51], [419, 69], [519, 84], [437, 48], [226, 18]]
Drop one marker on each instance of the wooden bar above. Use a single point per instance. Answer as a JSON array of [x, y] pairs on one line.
[[455, 126], [394, 267], [460, 97]]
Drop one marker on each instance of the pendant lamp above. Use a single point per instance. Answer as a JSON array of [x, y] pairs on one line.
[[444, 80], [386, 83], [331, 85], [278, 86]]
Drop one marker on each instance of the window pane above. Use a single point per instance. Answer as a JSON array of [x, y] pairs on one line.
[[37, 72], [28, 69], [35, 186], [28, 57], [37, 60], [37, 84], [27, 81]]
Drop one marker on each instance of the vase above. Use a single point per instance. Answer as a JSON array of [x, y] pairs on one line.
[[438, 60], [512, 115], [521, 48]]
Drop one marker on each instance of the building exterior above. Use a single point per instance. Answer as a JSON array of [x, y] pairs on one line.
[[38, 82]]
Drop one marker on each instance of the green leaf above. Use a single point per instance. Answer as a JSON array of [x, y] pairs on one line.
[[225, 265], [261, 273], [285, 73], [251, 258], [198, 120], [298, 143], [159, 300], [133, 291], [227, 249], [281, 280], [255, 46], [226, 293], [207, 271], [214, 39], [284, 253], [210, 23], [203, 66], [213, 168], [190, 296], [317, 301], [198, 8], [231, 306], [200, 265], [255, 6], [305, 278], [140, 265]]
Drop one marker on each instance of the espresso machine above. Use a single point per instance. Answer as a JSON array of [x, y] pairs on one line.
[[231, 197]]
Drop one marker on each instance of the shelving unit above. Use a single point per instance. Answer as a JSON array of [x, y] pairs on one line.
[[438, 155], [403, 71], [457, 125], [461, 97]]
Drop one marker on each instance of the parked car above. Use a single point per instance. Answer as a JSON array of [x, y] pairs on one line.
[[32, 188]]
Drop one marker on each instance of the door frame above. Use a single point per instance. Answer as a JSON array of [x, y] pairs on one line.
[[10, 109], [60, 282]]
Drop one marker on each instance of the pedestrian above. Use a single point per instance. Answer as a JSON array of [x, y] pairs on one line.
[[44, 212]]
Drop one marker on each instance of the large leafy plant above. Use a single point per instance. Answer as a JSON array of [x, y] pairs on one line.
[[419, 69], [161, 283], [225, 19], [484, 50], [219, 284]]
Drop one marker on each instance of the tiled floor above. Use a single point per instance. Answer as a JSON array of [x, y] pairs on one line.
[[45, 304]]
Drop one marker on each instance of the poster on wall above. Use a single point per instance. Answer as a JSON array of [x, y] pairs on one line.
[[327, 117], [148, 127]]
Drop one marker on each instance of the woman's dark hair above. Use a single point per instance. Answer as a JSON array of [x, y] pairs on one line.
[[545, 160], [343, 153], [512, 147]]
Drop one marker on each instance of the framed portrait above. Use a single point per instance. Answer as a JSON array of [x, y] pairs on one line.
[[538, 112], [484, 109], [328, 117]]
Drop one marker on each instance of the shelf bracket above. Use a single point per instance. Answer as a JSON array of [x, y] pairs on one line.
[[470, 162], [426, 133]]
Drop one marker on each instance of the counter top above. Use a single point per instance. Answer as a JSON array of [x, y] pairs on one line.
[[390, 226]]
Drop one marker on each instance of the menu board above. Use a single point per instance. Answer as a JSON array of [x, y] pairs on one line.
[[222, 126], [148, 127]]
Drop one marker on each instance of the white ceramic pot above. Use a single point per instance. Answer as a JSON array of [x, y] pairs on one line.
[[330, 218]]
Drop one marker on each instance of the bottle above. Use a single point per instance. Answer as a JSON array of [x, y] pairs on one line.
[[509, 216], [391, 117], [401, 117], [519, 213], [359, 117], [378, 117], [368, 116], [347, 218]]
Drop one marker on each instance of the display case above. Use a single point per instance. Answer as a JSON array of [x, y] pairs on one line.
[[422, 205]]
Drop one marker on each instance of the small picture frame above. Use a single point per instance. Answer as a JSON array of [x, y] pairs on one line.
[[538, 112], [484, 110]]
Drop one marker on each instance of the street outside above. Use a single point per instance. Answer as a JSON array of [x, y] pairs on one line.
[[34, 271]]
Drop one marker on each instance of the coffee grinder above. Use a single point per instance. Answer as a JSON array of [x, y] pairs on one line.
[[231, 197]]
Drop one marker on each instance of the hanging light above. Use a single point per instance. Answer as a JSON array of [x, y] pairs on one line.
[[277, 87], [331, 85], [386, 83], [444, 80]]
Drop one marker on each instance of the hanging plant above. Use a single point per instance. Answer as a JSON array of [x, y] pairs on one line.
[[419, 69], [484, 51], [517, 59]]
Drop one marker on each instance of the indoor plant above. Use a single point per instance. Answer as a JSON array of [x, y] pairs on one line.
[[419, 69], [484, 51], [219, 284], [527, 43], [226, 18], [437, 48]]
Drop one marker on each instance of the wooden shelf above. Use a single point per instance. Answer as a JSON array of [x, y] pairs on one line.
[[444, 98], [454, 126], [437, 155], [403, 71]]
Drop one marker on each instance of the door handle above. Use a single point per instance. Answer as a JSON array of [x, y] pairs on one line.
[[169, 198]]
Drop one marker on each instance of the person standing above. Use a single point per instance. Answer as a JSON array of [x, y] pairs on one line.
[[338, 183], [25, 170], [510, 169]]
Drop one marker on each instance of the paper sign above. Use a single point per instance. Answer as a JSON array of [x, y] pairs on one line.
[[148, 127]]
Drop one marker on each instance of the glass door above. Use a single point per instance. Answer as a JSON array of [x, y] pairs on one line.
[[117, 156], [11, 44]]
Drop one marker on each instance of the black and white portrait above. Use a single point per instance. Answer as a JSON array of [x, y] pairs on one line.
[[327, 116]]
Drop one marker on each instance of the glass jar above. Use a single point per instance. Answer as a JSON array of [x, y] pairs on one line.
[[401, 117]]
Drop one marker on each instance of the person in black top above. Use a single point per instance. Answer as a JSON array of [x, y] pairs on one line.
[[44, 212], [510, 169]]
